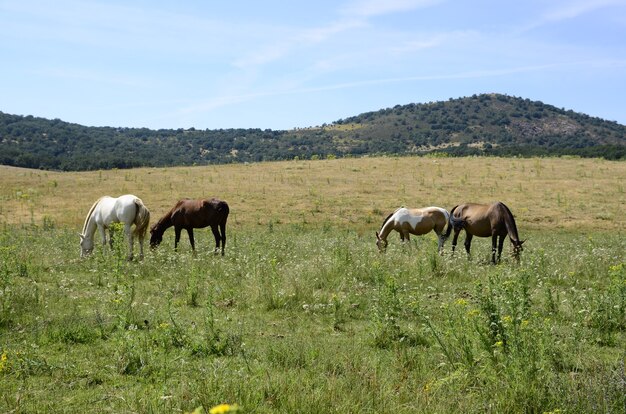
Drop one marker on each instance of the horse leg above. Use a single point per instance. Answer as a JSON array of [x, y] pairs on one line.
[[129, 237], [141, 237], [500, 245], [441, 239], [455, 238], [103, 235], [494, 241], [111, 233], [218, 239], [191, 239], [223, 236], [177, 231], [468, 244], [406, 238]]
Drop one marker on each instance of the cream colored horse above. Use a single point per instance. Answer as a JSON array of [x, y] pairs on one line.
[[417, 221], [127, 209]]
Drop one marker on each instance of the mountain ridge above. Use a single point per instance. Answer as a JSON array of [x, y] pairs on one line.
[[486, 124]]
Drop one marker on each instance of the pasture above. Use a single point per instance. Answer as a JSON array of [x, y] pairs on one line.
[[303, 314]]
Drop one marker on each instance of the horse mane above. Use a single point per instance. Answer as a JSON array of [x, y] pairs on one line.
[[167, 217], [509, 222], [89, 214], [385, 220]]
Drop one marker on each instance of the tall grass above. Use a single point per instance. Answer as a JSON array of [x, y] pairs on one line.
[[303, 314], [301, 319]]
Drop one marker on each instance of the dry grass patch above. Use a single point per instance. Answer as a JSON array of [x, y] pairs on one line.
[[357, 193]]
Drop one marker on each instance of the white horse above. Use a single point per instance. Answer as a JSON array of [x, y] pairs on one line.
[[127, 209], [416, 221]]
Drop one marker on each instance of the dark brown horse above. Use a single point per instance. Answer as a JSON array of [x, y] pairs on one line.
[[193, 214], [485, 220]]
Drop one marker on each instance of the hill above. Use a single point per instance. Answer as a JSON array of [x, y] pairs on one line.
[[489, 124]]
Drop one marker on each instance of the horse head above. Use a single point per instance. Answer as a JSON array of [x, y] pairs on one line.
[[517, 248], [381, 243], [86, 245], [156, 237]]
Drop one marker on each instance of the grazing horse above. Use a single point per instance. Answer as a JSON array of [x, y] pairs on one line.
[[193, 214], [416, 221], [127, 209], [485, 220]]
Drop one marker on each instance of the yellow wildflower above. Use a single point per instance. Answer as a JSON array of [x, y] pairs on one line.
[[499, 344], [224, 408], [461, 302], [473, 313], [3, 360], [507, 319]]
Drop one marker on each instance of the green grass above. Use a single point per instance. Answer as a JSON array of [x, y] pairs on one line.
[[312, 319]]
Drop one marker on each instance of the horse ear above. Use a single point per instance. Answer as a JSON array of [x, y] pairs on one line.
[[377, 236]]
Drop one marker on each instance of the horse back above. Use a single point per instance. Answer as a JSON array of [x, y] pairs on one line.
[[420, 220], [199, 213], [482, 220]]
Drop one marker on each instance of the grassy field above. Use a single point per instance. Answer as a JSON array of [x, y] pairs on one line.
[[303, 314]]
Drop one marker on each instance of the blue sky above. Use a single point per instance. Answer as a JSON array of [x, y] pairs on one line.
[[285, 64]]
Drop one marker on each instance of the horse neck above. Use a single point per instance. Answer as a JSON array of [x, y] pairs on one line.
[[164, 223], [89, 228], [386, 228], [509, 222]]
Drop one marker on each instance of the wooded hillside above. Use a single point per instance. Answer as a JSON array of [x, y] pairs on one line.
[[489, 124]]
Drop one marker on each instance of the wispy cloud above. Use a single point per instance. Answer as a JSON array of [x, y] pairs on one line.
[[371, 8], [429, 40], [116, 27], [575, 9], [355, 15], [570, 10], [215, 103]]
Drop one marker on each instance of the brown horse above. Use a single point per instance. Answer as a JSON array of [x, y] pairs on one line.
[[485, 220], [193, 214], [416, 221]]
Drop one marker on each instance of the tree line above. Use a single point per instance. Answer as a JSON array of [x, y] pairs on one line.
[[489, 124]]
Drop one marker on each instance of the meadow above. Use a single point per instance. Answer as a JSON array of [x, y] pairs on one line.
[[303, 314]]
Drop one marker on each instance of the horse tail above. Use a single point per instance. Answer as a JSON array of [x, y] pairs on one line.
[[452, 222], [509, 222], [142, 218], [224, 210]]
